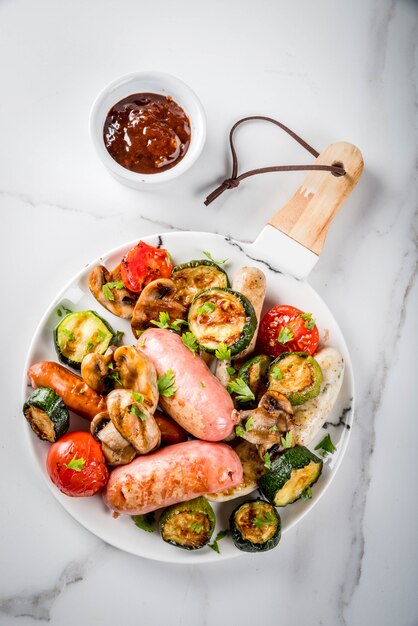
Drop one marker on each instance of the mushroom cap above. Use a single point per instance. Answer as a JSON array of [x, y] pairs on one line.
[[137, 372], [124, 300], [157, 297]]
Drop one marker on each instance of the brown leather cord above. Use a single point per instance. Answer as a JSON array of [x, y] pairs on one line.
[[234, 181]]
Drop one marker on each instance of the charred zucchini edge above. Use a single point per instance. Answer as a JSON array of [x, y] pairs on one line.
[[244, 535], [199, 510], [297, 397], [47, 414]]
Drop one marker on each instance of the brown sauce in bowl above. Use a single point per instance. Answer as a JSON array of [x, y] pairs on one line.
[[147, 133]]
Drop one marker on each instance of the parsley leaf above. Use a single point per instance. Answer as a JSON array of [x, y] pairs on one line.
[[68, 334], [101, 335], [115, 376], [306, 494], [178, 323], [59, 312], [273, 429], [230, 370], [141, 342], [166, 384], [135, 411], [197, 527], [107, 288], [206, 308], [145, 522], [221, 534], [244, 393], [164, 321], [210, 257], [117, 338], [267, 460], [90, 346], [190, 341], [276, 372], [287, 439], [239, 431], [249, 424], [202, 384], [309, 320], [138, 397], [285, 335], [326, 446], [76, 464], [264, 520], [223, 353]]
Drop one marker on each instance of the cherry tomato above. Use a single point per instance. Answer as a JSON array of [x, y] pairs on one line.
[[76, 465], [287, 329], [171, 432], [143, 264]]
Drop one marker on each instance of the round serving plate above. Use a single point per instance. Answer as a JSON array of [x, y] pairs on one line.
[[281, 289]]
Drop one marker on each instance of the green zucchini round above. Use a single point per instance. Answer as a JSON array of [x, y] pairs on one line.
[[296, 375], [254, 373], [255, 526], [290, 474], [222, 316], [47, 414], [196, 276], [188, 525], [81, 333]]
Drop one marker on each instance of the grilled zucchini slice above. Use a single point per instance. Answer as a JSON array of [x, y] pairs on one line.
[[290, 474], [47, 414], [254, 374], [296, 375], [222, 316], [79, 334], [255, 526], [196, 276], [188, 525]]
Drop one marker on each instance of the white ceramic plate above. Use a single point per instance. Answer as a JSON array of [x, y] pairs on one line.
[[281, 289]]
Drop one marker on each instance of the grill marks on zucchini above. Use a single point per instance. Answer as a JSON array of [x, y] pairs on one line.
[[254, 374], [196, 276], [188, 525], [255, 526], [296, 375], [47, 414], [79, 334], [232, 321]]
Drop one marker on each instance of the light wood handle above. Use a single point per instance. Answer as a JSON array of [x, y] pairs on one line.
[[309, 213]]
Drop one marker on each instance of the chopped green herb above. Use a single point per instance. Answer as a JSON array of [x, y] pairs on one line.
[[176, 325], [166, 384], [239, 431], [309, 320], [76, 464], [138, 397], [285, 335], [135, 411], [169, 258], [206, 308], [141, 342], [306, 494], [276, 372], [273, 429], [326, 446], [101, 335], [90, 346], [108, 287], [249, 424], [264, 520], [202, 384], [145, 522], [68, 334], [164, 321], [210, 257], [287, 439], [115, 376], [190, 341], [117, 338], [230, 370], [221, 534], [82, 390], [244, 393], [59, 312], [197, 527], [267, 460], [223, 353]]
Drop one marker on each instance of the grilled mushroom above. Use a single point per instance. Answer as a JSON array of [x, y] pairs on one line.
[[116, 449], [137, 372], [157, 297], [265, 425], [123, 302], [95, 369], [133, 421]]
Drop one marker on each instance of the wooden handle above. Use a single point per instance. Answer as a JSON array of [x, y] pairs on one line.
[[308, 215]]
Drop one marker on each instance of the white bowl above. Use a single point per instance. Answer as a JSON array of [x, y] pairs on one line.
[[148, 82]]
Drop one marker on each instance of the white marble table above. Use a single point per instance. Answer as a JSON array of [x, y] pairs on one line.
[[331, 71]]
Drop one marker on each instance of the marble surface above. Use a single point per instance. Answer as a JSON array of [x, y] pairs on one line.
[[331, 71]]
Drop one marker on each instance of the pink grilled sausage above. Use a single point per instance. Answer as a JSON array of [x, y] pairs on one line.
[[174, 474], [200, 405]]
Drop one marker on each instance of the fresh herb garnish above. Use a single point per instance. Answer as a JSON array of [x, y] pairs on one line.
[[202, 384], [249, 424], [117, 338], [63, 310], [141, 342], [309, 320], [68, 334], [101, 335], [145, 522], [136, 411], [285, 335], [197, 527], [326, 446], [267, 460], [59, 312], [244, 393], [138, 397], [189, 341], [274, 428], [287, 439], [221, 534], [223, 353], [239, 431], [264, 520], [76, 464], [82, 390], [306, 494], [90, 346], [210, 257], [169, 257], [276, 372], [206, 308], [230, 370], [166, 384], [115, 376], [107, 288], [164, 321]]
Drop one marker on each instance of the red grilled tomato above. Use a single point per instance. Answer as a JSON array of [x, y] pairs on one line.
[[287, 329], [143, 264], [76, 465]]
